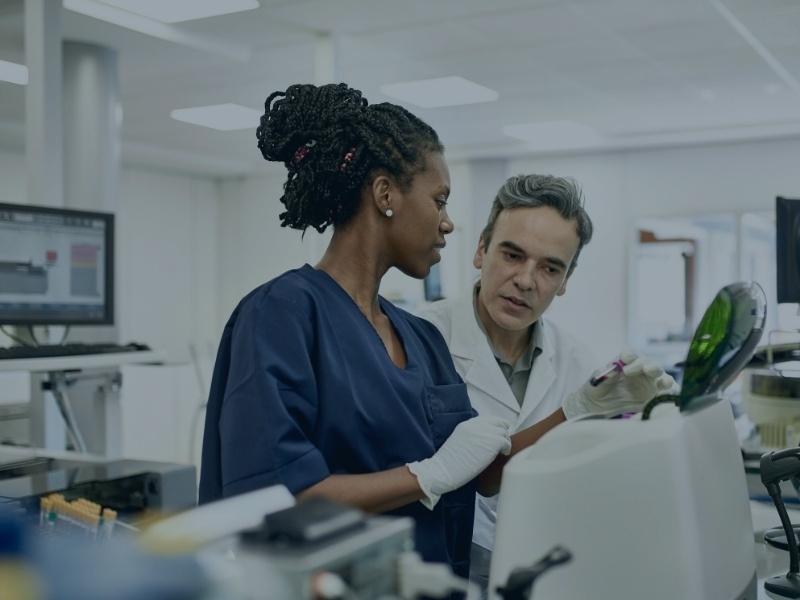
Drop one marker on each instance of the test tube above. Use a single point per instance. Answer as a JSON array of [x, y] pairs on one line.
[[615, 367]]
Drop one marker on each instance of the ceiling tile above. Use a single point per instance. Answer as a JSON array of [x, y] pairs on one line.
[[360, 16], [687, 39], [531, 25], [615, 65], [631, 15]]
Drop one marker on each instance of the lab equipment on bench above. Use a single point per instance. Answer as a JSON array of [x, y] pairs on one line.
[[771, 400], [295, 551], [132, 488], [723, 344], [777, 467], [275, 549], [654, 507], [60, 565], [521, 579], [77, 516]]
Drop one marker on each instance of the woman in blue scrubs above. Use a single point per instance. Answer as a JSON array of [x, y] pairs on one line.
[[322, 385], [325, 387]]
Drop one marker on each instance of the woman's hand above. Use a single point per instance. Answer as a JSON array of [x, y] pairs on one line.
[[472, 446]]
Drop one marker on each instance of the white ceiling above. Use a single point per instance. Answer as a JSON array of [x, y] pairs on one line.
[[640, 72]]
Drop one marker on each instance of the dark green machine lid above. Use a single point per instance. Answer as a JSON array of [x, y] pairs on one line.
[[725, 340]]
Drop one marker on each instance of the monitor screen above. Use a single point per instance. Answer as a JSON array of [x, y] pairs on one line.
[[787, 251], [56, 266]]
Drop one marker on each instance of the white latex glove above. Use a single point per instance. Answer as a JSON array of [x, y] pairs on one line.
[[639, 382], [471, 447]]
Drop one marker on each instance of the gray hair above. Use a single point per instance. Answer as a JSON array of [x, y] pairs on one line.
[[531, 191]]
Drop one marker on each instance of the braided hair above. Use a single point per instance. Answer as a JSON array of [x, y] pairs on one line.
[[333, 143]]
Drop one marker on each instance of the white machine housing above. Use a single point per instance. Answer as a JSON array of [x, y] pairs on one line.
[[655, 509]]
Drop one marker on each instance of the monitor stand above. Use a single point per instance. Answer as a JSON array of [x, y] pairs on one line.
[[92, 383]]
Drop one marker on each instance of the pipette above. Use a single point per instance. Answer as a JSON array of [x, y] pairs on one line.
[[615, 367]]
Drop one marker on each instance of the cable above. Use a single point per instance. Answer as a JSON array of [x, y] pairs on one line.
[[33, 336], [195, 419], [202, 406], [20, 341], [774, 490], [196, 362], [126, 526], [655, 402], [36, 343], [65, 408]]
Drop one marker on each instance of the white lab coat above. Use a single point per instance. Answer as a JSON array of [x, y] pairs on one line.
[[562, 367]]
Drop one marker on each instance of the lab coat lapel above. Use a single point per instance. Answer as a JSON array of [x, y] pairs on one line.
[[469, 344], [542, 377]]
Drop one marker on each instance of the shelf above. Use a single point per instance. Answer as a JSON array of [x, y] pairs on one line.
[[83, 361]]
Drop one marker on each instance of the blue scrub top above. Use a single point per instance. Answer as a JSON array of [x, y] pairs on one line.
[[304, 388]]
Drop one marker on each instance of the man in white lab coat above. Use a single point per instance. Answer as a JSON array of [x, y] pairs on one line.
[[516, 363]]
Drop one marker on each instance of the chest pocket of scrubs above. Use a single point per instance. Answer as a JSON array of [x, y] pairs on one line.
[[449, 407]]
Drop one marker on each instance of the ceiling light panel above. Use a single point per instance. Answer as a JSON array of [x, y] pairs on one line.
[[554, 135], [223, 117], [176, 11], [444, 91], [13, 73], [177, 35]]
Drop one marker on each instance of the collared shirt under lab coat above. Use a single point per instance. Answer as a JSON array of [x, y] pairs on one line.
[[562, 367]]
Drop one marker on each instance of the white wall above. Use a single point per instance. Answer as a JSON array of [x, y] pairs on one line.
[[705, 179], [167, 253], [12, 176], [456, 262], [168, 248], [189, 248], [622, 186], [254, 247], [590, 308]]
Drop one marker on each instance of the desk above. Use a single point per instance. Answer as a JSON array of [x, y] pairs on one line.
[[77, 363], [100, 417]]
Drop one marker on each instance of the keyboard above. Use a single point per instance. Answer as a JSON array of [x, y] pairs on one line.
[[16, 352]]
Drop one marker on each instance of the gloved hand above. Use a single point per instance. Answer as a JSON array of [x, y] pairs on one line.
[[639, 382], [471, 447]]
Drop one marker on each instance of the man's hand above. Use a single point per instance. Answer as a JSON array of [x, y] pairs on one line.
[[639, 382]]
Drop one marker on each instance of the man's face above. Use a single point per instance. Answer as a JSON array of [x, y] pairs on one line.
[[527, 264]]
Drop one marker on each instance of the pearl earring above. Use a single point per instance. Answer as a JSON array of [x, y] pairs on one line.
[[389, 212]]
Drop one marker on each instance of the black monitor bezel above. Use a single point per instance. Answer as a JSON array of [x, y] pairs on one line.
[[787, 247], [108, 312]]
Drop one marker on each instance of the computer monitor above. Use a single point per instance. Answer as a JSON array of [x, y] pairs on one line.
[[56, 266], [787, 251]]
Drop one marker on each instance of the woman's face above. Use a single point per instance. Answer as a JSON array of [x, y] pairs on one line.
[[420, 221]]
